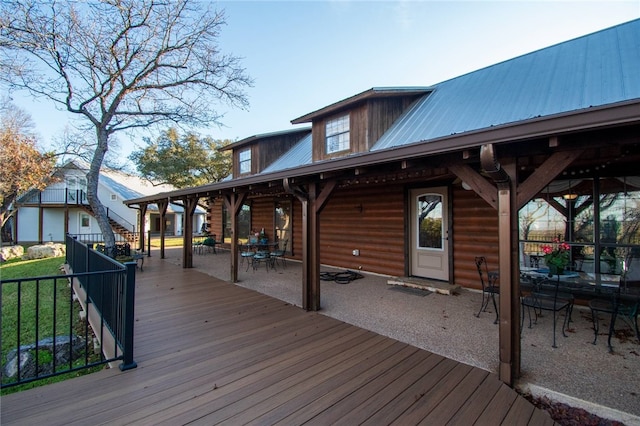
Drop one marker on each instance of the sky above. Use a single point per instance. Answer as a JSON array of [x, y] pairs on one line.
[[305, 55]]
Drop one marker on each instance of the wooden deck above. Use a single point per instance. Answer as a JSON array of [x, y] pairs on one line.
[[209, 352]]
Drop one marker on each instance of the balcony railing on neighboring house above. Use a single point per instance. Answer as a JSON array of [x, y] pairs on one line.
[[56, 196], [42, 325], [78, 197]]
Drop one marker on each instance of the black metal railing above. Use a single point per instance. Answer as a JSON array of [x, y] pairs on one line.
[[56, 196], [97, 238], [43, 333], [130, 227]]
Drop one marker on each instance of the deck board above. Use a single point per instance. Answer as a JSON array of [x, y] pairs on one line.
[[210, 352]]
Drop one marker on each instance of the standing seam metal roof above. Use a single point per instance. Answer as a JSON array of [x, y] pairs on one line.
[[593, 70]]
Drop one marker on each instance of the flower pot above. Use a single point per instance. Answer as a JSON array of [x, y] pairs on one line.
[[555, 270]]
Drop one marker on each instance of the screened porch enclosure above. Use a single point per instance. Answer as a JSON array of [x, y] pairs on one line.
[[599, 217]]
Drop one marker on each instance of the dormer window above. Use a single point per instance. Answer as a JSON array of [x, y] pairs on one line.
[[244, 161], [337, 134]]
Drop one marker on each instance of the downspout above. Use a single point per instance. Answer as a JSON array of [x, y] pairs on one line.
[[509, 331]]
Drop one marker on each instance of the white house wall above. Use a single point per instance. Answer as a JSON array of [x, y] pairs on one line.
[[28, 220], [118, 207], [53, 223]]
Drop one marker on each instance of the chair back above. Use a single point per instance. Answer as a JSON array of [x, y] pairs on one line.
[[483, 270]]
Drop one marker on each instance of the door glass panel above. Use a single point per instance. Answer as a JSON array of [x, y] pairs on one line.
[[430, 223], [282, 218]]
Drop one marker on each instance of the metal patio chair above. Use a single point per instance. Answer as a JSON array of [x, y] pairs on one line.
[[489, 288]]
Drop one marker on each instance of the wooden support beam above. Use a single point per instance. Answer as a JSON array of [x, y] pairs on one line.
[[162, 209], [141, 227], [190, 205], [552, 167], [509, 326], [478, 184], [313, 201], [234, 202]]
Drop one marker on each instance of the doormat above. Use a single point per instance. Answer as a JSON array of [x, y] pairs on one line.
[[410, 290]]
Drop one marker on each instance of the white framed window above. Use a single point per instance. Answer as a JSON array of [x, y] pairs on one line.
[[244, 160], [337, 134]]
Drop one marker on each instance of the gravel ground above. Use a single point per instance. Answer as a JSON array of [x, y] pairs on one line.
[[577, 373]]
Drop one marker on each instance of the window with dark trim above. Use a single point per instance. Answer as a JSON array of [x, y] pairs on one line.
[[337, 134], [244, 161]]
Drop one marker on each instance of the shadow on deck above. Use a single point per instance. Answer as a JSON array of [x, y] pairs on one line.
[[210, 352]]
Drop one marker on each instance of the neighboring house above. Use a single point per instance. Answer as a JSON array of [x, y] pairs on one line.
[[63, 208], [419, 181]]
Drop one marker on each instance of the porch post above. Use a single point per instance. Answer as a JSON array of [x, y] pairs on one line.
[[234, 203], [141, 222], [190, 205], [509, 326], [162, 209]]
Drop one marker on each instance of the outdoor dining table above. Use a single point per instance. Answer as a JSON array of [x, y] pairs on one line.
[[587, 284]]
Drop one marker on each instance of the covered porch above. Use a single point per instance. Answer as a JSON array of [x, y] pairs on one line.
[[211, 352]]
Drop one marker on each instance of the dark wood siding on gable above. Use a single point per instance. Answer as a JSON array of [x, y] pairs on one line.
[[368, 121], [265, 151], [381, 114]]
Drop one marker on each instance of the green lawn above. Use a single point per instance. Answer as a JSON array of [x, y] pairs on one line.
[[39, 303]]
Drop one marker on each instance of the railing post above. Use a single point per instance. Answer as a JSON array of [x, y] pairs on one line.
[[149, 243], [129, 318]]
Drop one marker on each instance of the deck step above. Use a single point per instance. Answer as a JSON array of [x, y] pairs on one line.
[[440, 287]]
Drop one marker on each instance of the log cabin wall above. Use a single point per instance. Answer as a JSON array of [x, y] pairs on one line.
[[214, 217], [369, 218], [475, 233], [262, 210]]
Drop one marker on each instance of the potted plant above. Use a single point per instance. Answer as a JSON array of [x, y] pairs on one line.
[[556, 257]]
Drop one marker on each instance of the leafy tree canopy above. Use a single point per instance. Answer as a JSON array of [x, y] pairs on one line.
[[183, 161], [22, 165]]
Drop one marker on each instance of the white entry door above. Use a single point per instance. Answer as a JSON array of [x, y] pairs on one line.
[[429, 245]]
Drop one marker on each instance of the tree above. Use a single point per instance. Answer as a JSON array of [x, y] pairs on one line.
[[22, 166], [120, 65], [183, 161]]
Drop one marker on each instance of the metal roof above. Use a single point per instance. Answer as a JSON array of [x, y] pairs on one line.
[[298, 155], [586, 83], [254, 138], [597, 69]]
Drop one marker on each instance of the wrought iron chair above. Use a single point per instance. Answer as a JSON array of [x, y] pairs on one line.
[[261, 257], [623, 303], [246, 253], [279, 253], [489, 288], [545, 301]]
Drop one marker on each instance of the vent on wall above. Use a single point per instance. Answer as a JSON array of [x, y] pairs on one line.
[[114, 197]]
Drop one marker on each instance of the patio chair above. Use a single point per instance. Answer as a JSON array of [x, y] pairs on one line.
[[210, 244], [623, 302], [279, 253], [544, 301], [261, 257], [246, 253], [489, 287]]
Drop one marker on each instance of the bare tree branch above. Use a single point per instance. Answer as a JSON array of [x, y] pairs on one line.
[[121, 64]]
